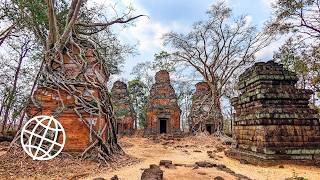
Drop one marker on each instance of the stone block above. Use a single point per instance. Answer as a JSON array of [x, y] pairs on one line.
[[273, 118]]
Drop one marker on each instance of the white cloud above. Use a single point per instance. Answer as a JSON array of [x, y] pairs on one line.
[[268, 3], [267, 53], [248, 19], [146, 35], [147, 31]]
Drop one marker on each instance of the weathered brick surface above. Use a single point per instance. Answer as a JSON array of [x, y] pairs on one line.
[[200, 116], [78, 135], [123, 108], [162, 103], [273, 117]]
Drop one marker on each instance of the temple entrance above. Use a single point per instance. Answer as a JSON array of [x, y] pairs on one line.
[[163, 125], [209, 128]]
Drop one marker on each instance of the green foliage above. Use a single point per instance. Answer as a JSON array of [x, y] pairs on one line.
[[138, 93], [141, 119], [302, 59], [163, 61], [137, 88], [36, 8]]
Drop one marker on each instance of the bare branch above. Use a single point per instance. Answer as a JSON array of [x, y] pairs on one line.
[[104, 26], [6, 33]]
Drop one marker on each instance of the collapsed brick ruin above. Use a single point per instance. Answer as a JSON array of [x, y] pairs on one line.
[[273, 119], [162, 112], [123, 109], [200, 118], [78, 136]]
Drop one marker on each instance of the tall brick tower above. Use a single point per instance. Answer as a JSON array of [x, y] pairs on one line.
[[201, 118], [163, 112], [123, 109]]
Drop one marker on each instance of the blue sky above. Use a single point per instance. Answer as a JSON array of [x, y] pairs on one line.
[[187, 12], [179, 15]]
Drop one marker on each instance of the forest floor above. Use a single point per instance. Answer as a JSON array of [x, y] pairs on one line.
[[183, 152]]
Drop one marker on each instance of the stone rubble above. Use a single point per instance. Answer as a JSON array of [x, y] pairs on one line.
[[152, 173]]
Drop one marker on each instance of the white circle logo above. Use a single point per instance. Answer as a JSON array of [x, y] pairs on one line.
[[39, 137]]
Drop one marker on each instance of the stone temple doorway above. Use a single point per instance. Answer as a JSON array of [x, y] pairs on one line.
[[209, 128], [163, 125]]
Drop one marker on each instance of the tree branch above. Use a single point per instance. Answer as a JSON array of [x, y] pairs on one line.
[[117, 21], [67, 30], [53, 27]]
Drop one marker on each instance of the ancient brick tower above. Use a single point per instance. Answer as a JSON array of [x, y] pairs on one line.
[[273, 119], [200, 118], [163, 112], [123, 109], [49, 102]]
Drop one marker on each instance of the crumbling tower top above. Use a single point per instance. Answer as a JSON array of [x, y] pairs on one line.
[[162, 76], [202, 87]]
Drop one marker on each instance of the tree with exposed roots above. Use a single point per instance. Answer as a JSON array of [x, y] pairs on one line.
[[218, 48], [21, 19], [71, 42]]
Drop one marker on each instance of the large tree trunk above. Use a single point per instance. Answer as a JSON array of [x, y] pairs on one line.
[[134, 111], [2, 104], [216, 107]]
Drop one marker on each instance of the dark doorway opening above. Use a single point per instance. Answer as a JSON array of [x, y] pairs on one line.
[[209, 128], [163, 125]]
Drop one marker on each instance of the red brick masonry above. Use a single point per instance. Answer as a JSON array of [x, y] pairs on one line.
[[162, 105]]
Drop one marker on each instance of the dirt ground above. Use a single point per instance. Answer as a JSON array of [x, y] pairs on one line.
[[186, 151], [148, 151]]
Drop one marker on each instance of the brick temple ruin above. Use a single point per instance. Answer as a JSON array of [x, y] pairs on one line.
[[123, 109], [273, 119], [78, 136], [200, 118], [163, 112]]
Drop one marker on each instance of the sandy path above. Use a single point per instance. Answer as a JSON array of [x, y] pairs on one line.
[[273, 172], [2, 152], [151, 153]]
